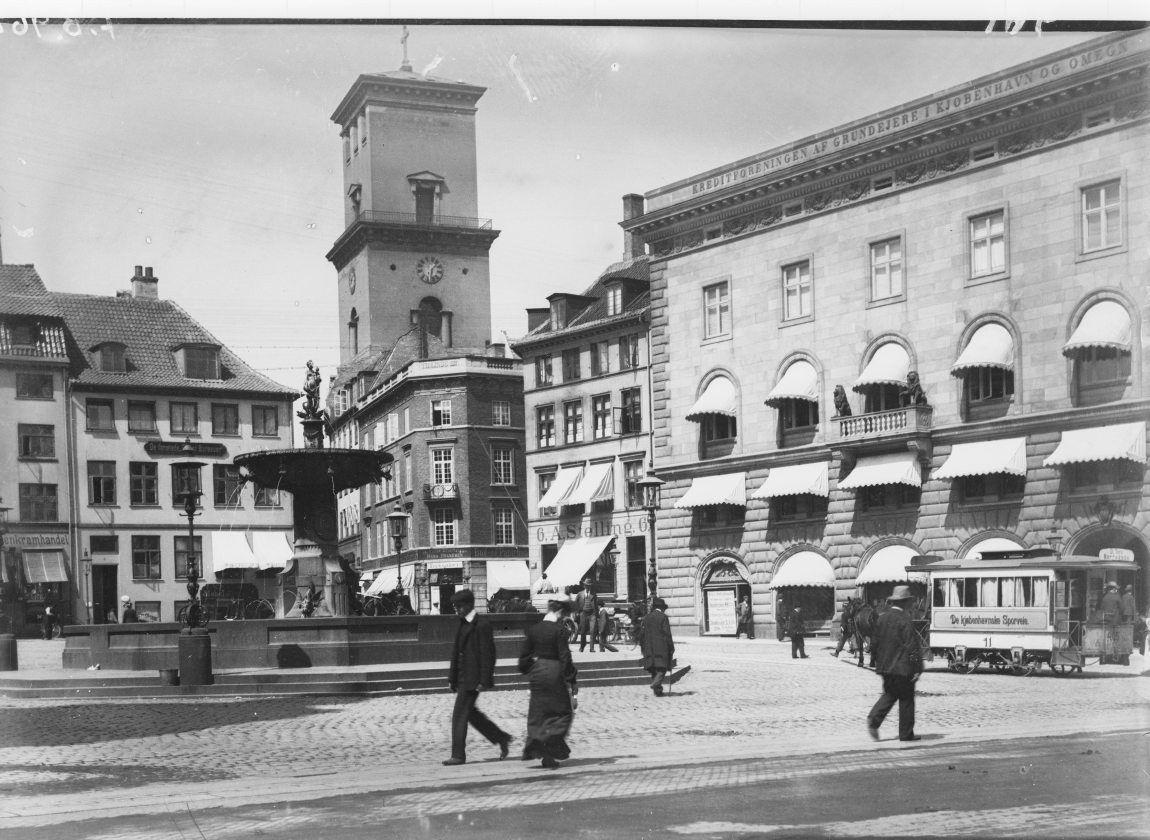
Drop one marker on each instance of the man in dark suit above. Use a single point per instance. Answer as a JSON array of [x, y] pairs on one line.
[[656, 645], [898, 660], [472, 670], [587, 614]]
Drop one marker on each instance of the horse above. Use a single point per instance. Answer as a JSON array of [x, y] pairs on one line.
[[863, 623]]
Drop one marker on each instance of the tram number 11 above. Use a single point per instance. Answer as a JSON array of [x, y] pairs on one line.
[[987, 642]]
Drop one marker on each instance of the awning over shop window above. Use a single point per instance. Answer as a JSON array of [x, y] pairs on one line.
[[230, 550], [1102, 443], [800, 381], [888, 366], [564, 482], [45, 566], [729, 489], [806, 568], [368, 575], [992, 544], [1105, 324], [598, 483], [273, 549], [719, 397], [990, 347], [508, 574], [575, 557], [386, 579], [894, 468], [888, 565], [985, 458], [795, 480]]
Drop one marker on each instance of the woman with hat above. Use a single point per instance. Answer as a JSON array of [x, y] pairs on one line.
[[129, 616], [545, 656], [657, 645]]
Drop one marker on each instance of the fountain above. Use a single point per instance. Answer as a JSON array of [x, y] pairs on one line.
[[314, 476]]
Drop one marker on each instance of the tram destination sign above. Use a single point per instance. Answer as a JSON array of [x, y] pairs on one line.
[[989, 618]]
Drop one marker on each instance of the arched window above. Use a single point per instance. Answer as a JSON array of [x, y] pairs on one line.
[[1100, 351], [431, 316], [716, 412], [353, 332], [986, 367], [883, 377], [796, 397]]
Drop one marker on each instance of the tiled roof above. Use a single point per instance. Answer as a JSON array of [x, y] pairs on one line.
[[384, 363], [595, 315], [50, 342], [149, 329], [22, 292]]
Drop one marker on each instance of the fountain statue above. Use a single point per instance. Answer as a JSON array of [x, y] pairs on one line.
[[316, 575]]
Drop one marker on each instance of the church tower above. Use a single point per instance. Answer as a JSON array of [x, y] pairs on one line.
[[413, 249]]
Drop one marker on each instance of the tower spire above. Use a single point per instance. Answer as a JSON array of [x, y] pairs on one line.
[[403, 40]]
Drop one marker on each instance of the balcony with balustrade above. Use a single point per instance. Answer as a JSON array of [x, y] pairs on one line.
[[909, 426], [390, 227]]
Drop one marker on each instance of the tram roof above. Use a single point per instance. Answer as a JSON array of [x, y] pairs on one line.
[[1031, 558]]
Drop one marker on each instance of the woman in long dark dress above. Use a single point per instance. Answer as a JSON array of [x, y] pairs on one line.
[[545, 656]]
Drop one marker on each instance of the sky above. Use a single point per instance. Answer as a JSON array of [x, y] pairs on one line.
[[206, 150]]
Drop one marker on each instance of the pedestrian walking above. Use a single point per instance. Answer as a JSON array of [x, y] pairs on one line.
[[472, 670], [796, 628], [656, 645], [846, 628], [48, 623], [587, 609], [129, 615], [898, 660], [603, 629], [545, 656], [744, 616]]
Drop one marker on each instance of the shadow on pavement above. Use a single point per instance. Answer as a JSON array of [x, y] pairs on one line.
[[72, 778]]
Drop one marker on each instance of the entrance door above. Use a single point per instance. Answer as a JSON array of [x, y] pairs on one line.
[[446, 590], [105, 594], [636, 568]]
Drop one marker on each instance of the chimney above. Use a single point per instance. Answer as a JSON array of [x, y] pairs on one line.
[[536, 317], [144, 285], [633, 245], [496, 349]]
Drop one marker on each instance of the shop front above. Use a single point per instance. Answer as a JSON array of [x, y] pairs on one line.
[[805, 580], [724, 585], [33, 576]]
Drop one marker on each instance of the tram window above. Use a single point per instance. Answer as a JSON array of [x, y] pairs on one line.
[[940, 591], [954, 592], [968, 590], [989, 592], [1007, 594], [1041, 593]]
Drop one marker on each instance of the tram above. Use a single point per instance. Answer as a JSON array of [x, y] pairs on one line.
[[1015, 611]]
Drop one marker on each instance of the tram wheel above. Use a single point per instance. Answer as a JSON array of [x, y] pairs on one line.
[[965, 667], [1024, 670], [1065, 670]]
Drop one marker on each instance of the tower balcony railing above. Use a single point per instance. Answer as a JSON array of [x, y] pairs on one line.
[[911, 420], [418, 220]]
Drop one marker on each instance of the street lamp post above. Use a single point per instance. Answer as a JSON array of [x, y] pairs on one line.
[[191, 493], [397, 527], [650, 486], [86, 567]]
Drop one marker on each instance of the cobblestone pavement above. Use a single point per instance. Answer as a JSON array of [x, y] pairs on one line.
[[62, 761]]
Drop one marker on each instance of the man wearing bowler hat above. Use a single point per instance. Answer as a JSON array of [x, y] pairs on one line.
[[898, 660]]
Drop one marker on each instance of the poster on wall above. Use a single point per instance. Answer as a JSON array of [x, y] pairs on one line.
[[721, 612]]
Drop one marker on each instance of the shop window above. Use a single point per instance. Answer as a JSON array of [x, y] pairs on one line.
[[991, 489], [141, 417], [36, 442], [798, 508], [145, 557], [225, 419], [147, 611], [38, 503], [888, 498], [34, 386], [100, 416], [142, 483], [101, 483], [1113, 476]]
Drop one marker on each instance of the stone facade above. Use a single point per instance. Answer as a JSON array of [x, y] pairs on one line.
[[890, 221]]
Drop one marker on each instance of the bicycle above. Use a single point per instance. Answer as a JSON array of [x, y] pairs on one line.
[[387, 603], [263, 608]]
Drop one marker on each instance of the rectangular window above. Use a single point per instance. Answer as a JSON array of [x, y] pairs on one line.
[[631, 417], [988, 384], [145, 557], [267, 496], [141, 416], [442, 466], [888, 497], [1101, 216], [100, 416], [601, 416], [716, 310], [38, 503], [615, 300], [796, 508], [798, 414], [545, 425], [142, 483], [104, 544], [988, 244], [886, 269], [600, 358], [1106, 476], [500, 413], [226, 485], [797, 290], [632, 473], [407, 469], [34, 386], [441, 412], [201, 363], [542, 370], [183, 418], [995, 487], [571, 369], [225, 419], [443, 523], [265, 421], [1102, 366], [101, 482], [545, 480], [503, 526], [36, 441], [502, 465], [185, 480], [719, 427], [184, 557], [628, 352], [573, 422]]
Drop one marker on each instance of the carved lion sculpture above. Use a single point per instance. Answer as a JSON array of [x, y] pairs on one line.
[[842, 407], [912, 394]]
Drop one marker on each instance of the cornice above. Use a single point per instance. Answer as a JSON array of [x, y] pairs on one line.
[[600, 326], [456, 240]]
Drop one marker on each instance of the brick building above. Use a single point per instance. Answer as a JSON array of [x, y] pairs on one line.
[[982, 239]]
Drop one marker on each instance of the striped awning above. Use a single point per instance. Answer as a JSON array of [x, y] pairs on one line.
[[804, 568], [575, 557], [800, 381], [795, 480], [888, 565], [888, 366], [1105, 324], [564, 482], [729, 489], [991, 346], [597, 484], [44, 566], [507, 574], [719, 397], [1124, 441], [985, 457], [272, 549], [230, 550], [894, 468]]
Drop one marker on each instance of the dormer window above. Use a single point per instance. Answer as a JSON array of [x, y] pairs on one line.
[[24, 334], [110, 357], [199, 361], [614, 300], [558, 314]]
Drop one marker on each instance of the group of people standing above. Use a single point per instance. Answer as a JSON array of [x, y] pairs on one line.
[[545, 657]]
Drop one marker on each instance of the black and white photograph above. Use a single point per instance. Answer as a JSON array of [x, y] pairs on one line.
[[594, 425]]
